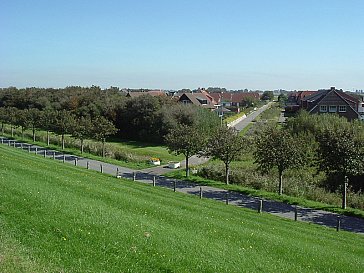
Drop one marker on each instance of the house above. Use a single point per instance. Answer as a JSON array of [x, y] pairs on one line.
[[295, 100], [202, 99], [234, 99], [332, 101]]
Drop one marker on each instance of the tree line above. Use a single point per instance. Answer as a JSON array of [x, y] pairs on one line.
[[328, 143]]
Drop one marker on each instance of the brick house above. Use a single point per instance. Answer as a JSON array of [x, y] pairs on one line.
[[332, 101]]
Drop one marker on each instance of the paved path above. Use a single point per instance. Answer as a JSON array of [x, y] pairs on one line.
[[242, 124], [320, 217]]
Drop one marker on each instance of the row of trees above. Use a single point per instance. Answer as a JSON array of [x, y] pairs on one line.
[[146, 118], [328, 143], [60, 122]]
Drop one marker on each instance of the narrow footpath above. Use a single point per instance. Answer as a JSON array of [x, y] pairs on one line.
[[320, 217]]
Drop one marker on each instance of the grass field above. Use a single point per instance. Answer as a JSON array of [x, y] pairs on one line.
[[60, 218], [146, 149], [139, 153]]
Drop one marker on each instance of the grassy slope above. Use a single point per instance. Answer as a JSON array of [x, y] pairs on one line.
[[57, 217], [133, 147]]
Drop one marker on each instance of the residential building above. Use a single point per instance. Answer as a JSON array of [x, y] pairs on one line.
[[332, 101]]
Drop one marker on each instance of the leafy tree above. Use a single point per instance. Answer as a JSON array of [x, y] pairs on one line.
[[268, 95], [3, 119], [186, 140], [63, 122], [82, 129], [226, 145], [22, 120], [103, 128], [278, 148], [341, 150], [33, 120], [47, 118]]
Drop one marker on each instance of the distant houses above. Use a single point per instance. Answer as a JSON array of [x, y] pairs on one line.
[[327, 101]]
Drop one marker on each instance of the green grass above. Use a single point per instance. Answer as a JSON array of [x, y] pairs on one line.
[[233, 117], [56, 217], [180, 174], [142, 152], [147, 149]]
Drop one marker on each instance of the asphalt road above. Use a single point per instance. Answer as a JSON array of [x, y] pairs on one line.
[[242, 124]]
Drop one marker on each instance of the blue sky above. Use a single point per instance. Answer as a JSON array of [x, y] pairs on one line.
[[183, 44]]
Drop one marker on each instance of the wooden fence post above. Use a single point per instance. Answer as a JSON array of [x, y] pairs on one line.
[[200, 192], [295, 213], [260, 209], [338, 224], [154, 181]]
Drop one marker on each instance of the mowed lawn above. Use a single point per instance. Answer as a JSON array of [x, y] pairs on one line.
[[146, 149], [55, 217]]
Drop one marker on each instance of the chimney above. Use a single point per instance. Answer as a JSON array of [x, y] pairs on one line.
[[332, 88]]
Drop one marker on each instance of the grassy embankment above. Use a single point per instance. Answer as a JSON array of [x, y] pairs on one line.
[[60, 218], [131, 154]]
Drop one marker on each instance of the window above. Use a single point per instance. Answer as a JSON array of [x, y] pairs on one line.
[[323, 108], [342, 108], [332, 108]]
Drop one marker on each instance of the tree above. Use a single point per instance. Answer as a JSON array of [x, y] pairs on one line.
[[278, 148], [82, 129], [341, 150], [63, 121], [102, 128], [268, 95], [22, 120], [47, 118], [33, 120], [226, 145], [3, 119], [186, 140]]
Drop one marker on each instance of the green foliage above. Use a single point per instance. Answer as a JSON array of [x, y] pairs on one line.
[[186, 140], [278, 148], [338, 144], [268, 95], [225, 144]]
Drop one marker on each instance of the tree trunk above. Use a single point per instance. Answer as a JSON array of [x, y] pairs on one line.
[[227, 172], [103, 147], [81, 146], [22, 133], [12, 131], [47, 137], [33, 134], [187, 168], [280, 182], [62, 141]]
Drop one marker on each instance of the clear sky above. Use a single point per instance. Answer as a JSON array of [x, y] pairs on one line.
[[255, 44]]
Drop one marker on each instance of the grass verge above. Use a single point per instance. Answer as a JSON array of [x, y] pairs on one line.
[[180, 174]]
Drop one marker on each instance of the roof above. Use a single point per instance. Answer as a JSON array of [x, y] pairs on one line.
[[234, 96], [153, 93], [198, 98], [321, 94]]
